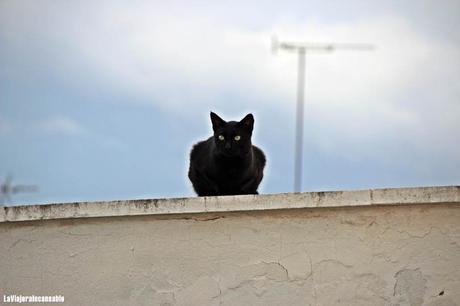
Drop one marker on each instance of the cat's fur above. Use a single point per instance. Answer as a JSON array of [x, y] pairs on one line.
[[228, 166]]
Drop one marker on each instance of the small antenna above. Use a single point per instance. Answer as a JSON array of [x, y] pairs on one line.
[[7, 189]]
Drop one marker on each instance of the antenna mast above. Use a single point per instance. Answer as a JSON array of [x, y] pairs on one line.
[[302, 49]]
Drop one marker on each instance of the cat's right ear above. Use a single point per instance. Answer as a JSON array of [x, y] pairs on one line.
[[217, 122]]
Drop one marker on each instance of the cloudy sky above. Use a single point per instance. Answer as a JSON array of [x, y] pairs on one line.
[[103, 100]]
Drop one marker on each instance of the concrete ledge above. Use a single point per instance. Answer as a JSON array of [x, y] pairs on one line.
[[379, 247], [197, 205]]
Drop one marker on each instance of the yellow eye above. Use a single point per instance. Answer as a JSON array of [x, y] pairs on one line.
[[237, 137], [221, 137]]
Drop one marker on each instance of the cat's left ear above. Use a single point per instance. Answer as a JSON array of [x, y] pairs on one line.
[[248, 122], [217, 122]]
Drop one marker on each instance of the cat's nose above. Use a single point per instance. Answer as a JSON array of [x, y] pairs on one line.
[[228, 146]]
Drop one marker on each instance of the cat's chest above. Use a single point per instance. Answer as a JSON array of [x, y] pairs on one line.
[[234, 172], [230, 172]]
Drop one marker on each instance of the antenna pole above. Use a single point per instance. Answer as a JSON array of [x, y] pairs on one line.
[[301, 50], [299, 119]]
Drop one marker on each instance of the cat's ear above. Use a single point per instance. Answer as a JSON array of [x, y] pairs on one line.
[[248, 122], [217, 122]]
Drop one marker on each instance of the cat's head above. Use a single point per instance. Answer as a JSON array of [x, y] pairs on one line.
[[232, 138]]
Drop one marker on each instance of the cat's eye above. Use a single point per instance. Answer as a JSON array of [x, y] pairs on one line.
[[221, 137], [237, 137]]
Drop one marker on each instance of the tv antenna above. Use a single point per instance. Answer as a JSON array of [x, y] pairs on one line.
[[302, 49], [7, 188]]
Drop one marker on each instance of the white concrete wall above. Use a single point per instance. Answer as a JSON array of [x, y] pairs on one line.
[[330, 252]]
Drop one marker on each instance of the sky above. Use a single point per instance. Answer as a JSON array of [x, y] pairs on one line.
[[103, 100]]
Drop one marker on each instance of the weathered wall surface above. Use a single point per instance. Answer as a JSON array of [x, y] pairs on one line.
[[383, 255]]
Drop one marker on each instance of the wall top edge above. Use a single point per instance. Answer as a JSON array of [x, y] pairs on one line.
[[240, 203]]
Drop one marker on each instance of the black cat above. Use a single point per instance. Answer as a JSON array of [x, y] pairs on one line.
[[227, 163]]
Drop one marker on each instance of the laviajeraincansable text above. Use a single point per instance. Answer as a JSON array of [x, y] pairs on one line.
[[14, 298]]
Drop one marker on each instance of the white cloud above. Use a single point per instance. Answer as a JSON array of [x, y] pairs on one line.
[[61, 125], [53, 125], [169, 58], [409, 86], [408, 81]]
